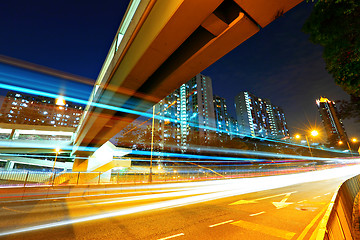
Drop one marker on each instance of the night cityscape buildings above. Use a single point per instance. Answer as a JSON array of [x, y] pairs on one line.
[[259, 118], [221, 115], [225, 124], [333, 125], [187, 114], [20, 108], [192, 115]]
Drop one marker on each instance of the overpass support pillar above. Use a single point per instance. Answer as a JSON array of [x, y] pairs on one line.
[[102, 160], [80, 165]]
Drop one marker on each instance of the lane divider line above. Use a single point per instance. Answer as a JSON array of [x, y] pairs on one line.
[[302, 201], [306, 230], [173, 236], [255, 214], [217, 224], [327, 193], [322, 225], [14, 210], [316, 197]]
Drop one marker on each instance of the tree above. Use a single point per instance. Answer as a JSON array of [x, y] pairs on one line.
[[335, 25], [350, 109]]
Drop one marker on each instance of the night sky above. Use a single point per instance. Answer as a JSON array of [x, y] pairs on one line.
[[278, 63]]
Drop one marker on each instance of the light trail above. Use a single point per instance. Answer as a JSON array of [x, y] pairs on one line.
[[86, 196], [139, 113], [223, 188]]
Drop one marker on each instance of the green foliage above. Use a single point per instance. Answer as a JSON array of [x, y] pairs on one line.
[[350, 109], [335, 25]]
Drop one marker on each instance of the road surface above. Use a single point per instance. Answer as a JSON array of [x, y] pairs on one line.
[[277, 207]]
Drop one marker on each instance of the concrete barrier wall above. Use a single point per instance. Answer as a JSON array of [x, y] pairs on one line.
[[343, 220]]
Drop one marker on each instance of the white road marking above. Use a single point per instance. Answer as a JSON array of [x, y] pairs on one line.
[[173, 236], [258, 199], [255, 214], [327, 193], [283, 202], [217, 224], [301, 201], [316, 197], [308, 227]]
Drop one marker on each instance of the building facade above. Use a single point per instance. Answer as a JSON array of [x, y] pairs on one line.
[[280, 122], [259, 118], [234, 128], [20, 108], [221, 116], [168, 124], [332, 123], [187, 115]]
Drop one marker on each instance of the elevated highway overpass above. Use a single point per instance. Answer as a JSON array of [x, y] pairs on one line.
[[159, 46]]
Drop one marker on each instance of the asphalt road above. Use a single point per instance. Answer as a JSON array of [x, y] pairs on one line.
[[280, 207]]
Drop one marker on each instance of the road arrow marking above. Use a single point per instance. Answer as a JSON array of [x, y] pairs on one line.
[[283, 202], [258, 199]]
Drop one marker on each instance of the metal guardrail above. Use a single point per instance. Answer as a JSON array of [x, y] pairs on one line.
[[33, 178], [342, 220]]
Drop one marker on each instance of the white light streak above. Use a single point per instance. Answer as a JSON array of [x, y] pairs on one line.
[[211, 190]]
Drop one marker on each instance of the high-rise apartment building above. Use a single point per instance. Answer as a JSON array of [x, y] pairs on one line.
[[333, 125], [280, 121], [169, 125], [188, 113], [20, 108], [258, 117], [225, 124], [233, 127], [221, 116]]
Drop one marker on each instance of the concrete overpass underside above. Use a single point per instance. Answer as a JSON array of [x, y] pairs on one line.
[[164, 46]]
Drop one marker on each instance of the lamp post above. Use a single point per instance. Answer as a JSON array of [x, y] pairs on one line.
[[307, 140], [313, 133], [57, 151], [152, 144]]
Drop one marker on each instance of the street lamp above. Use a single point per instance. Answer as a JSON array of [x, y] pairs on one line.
[[60, 101], [314, 133], [354, 140], [340, 142]]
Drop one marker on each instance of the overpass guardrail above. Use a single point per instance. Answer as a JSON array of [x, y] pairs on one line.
[[342, 220]]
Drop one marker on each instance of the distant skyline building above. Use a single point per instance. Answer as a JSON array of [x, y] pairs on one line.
[[233, 127], [192, 107], [280, 121], [259, 118], [20, 108], [225, 124], [333, 125], [221, 115], [169, 109]]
